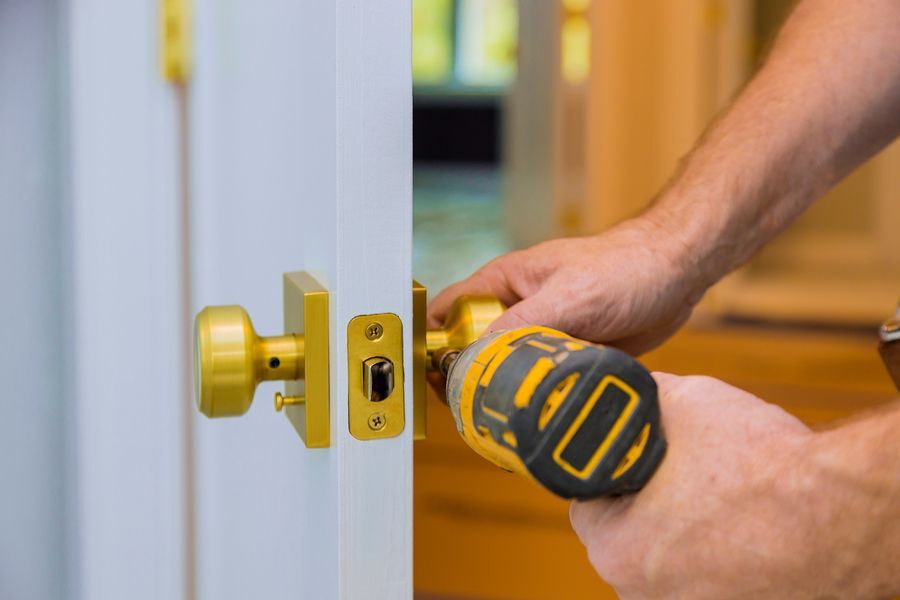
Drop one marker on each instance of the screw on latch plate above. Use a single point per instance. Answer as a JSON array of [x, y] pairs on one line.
[[374, 331], [377, 421]]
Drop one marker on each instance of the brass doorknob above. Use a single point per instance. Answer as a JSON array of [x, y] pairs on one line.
[[231, 360], [466, 321]]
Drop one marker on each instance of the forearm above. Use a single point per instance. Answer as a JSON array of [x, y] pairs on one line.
[[827, 99], [852, 483]]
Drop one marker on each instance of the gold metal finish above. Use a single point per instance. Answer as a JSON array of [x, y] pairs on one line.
[[377, 421], [306, 312], [374, 330], [419, 357], [466, 322], [281, 401], [175, 39], [468, 318], [370, 419], [231, 360]]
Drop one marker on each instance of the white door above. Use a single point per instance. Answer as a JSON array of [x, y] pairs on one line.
[[300, 127], [299, 135]]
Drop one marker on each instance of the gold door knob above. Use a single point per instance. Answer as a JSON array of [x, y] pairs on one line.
[[231, 360], [466, 321]]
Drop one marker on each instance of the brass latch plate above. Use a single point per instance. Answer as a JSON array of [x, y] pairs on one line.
[[378, 336]]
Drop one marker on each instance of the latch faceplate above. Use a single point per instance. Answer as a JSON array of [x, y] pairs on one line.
[[375, 376]]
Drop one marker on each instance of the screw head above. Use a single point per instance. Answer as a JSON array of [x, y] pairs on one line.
[[377, 421], [374, 330]]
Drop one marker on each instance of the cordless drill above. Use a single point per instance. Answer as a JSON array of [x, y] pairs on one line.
[[581, 419]]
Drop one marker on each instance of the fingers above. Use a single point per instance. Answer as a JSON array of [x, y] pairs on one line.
[[534, 310], [580, 516], [665, 380], [487, 280], [440, 305]]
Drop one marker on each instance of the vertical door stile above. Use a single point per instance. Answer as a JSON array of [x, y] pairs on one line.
[[374, 274]]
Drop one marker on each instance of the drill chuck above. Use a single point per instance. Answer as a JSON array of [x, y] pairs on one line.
[[581, 419]]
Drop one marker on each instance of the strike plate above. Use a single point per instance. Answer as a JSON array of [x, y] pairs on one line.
[[306, 313], [370, 337]]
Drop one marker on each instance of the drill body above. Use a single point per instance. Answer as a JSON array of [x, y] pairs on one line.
[[581, 419]]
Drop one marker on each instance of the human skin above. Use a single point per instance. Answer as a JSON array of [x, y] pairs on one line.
[[747, 501]]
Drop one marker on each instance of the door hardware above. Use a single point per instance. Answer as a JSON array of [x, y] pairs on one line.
[[378, 378], [231, 360], [376, 405]]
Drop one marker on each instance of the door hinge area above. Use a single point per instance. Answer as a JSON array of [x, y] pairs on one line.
[[175, 40]]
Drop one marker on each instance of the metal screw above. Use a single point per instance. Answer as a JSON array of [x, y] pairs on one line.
[[377, 421], [374, 331]]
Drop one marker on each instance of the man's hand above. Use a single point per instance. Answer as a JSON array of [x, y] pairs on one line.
[[813, 113], [746, 503], [631, 287]]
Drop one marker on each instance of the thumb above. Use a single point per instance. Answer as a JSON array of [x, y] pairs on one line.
[[534, 310]]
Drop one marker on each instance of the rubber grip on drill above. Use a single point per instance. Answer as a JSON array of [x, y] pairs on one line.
[[591, 424]]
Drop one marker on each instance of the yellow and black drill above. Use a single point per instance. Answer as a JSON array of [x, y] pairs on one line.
[[581, 419]]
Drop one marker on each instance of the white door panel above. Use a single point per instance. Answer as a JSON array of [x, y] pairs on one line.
[[301, 159], [299, 122], [122, 307]]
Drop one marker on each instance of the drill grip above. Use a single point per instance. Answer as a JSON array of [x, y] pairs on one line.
[[581, 419]]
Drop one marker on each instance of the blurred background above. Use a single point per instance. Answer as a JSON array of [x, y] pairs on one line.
[[532, 119]]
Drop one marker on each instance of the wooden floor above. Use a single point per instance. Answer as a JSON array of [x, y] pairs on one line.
[[483, 533]]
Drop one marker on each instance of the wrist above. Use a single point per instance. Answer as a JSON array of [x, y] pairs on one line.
[[669, 239], [850, 498]]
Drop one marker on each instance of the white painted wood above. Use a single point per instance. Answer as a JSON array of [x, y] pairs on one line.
[[374, 274], [301, 159], [121, 307]]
